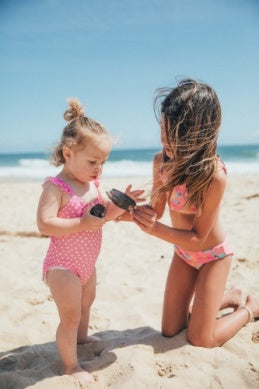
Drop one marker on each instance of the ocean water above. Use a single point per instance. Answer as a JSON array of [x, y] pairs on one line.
[[122, 163]]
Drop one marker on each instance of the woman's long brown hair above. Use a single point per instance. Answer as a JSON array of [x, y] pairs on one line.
[[192, 118]]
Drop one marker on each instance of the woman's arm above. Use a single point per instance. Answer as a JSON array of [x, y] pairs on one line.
[[48, 222], [158, 207], [189, 240]]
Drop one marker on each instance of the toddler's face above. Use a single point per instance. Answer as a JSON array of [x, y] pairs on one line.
[[87, 163]]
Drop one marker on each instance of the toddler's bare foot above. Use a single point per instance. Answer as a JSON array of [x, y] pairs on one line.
[[252, 302], [88, 339], [79, 374]]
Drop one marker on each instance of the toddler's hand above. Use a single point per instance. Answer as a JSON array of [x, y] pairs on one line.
[[90, 222], [135, 194], [144, 217]]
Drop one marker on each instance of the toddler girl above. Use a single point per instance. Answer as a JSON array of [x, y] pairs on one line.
[[76, 235]]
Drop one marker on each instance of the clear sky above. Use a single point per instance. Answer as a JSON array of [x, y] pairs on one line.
[[113, 54]]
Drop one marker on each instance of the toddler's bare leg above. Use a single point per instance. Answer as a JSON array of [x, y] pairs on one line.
[[88, 296], [66, 290]]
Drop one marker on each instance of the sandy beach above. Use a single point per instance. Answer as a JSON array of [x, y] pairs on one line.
[[126, 314]]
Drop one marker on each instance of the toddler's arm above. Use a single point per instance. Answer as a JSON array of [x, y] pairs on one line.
[[51, 225]]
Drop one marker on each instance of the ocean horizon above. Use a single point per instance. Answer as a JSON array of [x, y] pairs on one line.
[[239, 159]]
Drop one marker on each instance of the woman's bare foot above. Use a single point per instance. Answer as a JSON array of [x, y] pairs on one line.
[[88, 339], [252, 302], [232, 299], [79, 374]]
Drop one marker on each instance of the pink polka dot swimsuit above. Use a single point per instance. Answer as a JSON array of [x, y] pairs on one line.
[[76, 252]]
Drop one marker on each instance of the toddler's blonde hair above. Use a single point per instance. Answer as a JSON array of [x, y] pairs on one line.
[[78, 130]]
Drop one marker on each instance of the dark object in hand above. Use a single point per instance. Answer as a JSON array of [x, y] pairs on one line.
[[98, 210], [121, 200]]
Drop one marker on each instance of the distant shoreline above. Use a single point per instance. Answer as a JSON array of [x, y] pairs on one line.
[[128, 149], [122, 163]]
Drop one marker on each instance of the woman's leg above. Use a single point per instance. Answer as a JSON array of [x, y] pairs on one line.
[[179, 290], [204, 328], [231, 299], [88, 296], [66, 290]]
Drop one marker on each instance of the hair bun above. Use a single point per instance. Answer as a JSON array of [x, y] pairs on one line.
[[75, 110]]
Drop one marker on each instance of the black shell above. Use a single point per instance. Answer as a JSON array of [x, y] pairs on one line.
[[98, 210], [121, 200]]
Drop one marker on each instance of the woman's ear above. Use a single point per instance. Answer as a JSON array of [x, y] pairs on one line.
[[66, 153]]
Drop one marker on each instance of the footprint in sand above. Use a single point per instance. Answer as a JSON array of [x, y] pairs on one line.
[[36, 301], [242, 259], [165, 369], [252, 196], [255, 337], [121, 373], [39, 300]]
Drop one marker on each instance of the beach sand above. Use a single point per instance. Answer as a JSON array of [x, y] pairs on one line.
[[126, 314]]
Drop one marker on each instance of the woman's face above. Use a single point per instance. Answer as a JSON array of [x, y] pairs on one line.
[[167, 147]]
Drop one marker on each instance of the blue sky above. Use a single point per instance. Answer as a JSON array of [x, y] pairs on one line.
[[112, 55]]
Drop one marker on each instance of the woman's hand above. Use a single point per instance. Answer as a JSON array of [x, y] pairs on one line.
[[145, 218], [135, 194]]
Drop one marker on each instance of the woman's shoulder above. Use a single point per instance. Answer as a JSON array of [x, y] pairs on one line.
[[218, 184], [220, 176], [158, 158]]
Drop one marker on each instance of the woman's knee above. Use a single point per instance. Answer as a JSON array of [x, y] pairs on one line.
[[199, 340], [170, 332], [167, 334]]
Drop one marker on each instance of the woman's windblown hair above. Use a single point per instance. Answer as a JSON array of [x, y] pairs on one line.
[[192, 116]]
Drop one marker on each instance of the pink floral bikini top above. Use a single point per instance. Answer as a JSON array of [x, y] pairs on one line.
[[178, 197]]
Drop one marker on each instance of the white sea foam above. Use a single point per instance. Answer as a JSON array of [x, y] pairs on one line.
[[244, 167], [127, 168], [36, 162], [38, 169]]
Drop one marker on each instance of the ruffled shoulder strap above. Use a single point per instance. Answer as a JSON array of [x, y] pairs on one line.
[[63, 186]]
